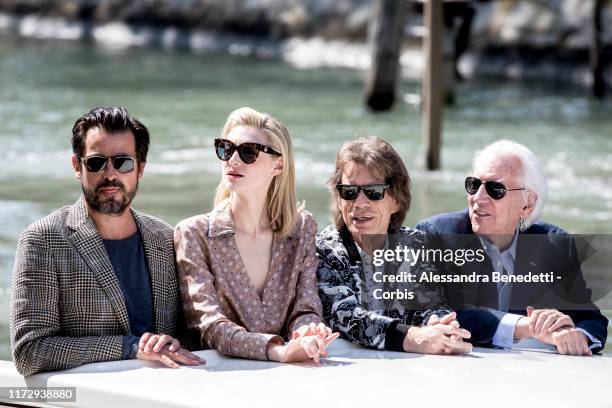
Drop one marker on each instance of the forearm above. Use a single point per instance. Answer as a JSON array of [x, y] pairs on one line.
[[62, 352], [233, 340]]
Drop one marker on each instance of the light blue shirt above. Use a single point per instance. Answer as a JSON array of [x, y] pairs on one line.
[[503, 261]]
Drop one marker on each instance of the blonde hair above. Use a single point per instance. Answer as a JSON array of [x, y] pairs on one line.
[[281, 198]]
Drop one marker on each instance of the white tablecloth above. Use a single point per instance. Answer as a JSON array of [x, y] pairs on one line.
[[350, 377]]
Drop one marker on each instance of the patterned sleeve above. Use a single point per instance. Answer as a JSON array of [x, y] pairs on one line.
[[342, 310], [430, 297], [35, 321], [307, 306], [201, 303]]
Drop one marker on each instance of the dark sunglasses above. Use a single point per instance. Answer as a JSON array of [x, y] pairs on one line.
[[495, 189], [372, 192], [123, 164], [248, 152]]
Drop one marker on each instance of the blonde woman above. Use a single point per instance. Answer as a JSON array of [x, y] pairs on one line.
[[247, 269]]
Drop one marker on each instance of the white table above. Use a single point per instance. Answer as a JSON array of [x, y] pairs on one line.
[[350, 377]]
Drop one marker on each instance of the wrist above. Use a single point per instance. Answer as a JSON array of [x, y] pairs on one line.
[[521, 329], [274, 351], [410, 345]]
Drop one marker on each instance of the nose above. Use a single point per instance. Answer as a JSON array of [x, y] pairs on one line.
[[109, 172], [235, 158], [362, 200], [481, 194]]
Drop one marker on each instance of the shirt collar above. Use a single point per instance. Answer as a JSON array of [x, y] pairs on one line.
[[489, 246], [221, 221]]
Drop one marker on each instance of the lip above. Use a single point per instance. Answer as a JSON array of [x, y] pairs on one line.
[[480, 213], [109, 190], [361, 219], [232, 175]]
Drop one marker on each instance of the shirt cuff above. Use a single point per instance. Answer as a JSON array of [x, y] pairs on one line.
[[129, 347], [394, 337], [595, 343], [504, 335]]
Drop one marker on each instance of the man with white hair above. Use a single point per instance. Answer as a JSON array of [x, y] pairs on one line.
[[506, 193]]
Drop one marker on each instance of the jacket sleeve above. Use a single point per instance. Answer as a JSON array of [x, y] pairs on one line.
[[37, 344], [343, 312], [201, 302], [307, 306]]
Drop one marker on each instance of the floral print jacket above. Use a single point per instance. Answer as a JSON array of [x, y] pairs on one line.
[[381, 325]]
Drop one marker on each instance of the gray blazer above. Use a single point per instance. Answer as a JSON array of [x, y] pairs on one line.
[[67, 307]]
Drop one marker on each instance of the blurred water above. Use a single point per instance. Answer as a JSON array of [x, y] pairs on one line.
[[184, 99]]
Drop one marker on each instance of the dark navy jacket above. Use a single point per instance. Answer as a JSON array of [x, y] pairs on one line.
[[553, 249]]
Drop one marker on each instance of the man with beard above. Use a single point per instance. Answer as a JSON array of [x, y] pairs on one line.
[[96, 281]]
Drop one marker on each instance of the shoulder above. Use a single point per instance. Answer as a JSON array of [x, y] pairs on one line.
[[154, 224], [457, 222], [411, 236], [332, 253], [540, 227], [329, 244], [195, 224], [305, 225], [329, 237], [51, 225]]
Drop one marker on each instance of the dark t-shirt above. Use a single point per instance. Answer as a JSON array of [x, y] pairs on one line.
[[130, 265]]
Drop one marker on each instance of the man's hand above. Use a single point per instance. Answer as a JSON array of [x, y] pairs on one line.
[[151, 342], [165, 349], [544, 321], [571, 341], [553, 327], [170, 358], [437, 339]]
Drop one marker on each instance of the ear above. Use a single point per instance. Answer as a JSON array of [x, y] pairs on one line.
[[529, 204], [76, 165], [395, 205], [141, 168], [278, 167]]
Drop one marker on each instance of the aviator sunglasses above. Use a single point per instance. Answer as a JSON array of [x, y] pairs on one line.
[[372, 192], [123, 164], [248, 152], [495, 189]]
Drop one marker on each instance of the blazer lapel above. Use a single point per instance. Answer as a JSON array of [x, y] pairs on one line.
[[527, 294], [89, 245], [158, 269]]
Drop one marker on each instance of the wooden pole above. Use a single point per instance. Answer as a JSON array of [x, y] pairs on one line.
[[433, 83], [599, 87], [385, 38]]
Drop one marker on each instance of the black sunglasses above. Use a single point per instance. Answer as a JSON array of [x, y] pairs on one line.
[[123, 164], [372, 192], [248, 152], [495, 189]]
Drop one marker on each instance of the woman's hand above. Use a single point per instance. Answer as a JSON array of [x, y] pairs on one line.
[[309, 342], [313, 329]]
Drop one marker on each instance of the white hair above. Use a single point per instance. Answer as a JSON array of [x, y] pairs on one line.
[[533, 177]]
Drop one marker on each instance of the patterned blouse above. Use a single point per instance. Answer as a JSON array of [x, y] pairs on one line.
[[346, 294], [219, 300]]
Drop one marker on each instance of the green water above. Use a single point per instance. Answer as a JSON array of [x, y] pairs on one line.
[[184, 99]]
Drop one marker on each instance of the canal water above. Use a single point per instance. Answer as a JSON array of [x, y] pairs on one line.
[[184, 98]]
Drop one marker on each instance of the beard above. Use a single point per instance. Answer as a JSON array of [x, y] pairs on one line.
[[110, 205]]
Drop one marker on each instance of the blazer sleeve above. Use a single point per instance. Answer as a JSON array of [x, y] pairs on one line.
[[37, 344], [201, 302], [584, 313], [307, 306]]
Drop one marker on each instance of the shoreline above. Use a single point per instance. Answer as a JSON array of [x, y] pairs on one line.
[[517, 63]]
